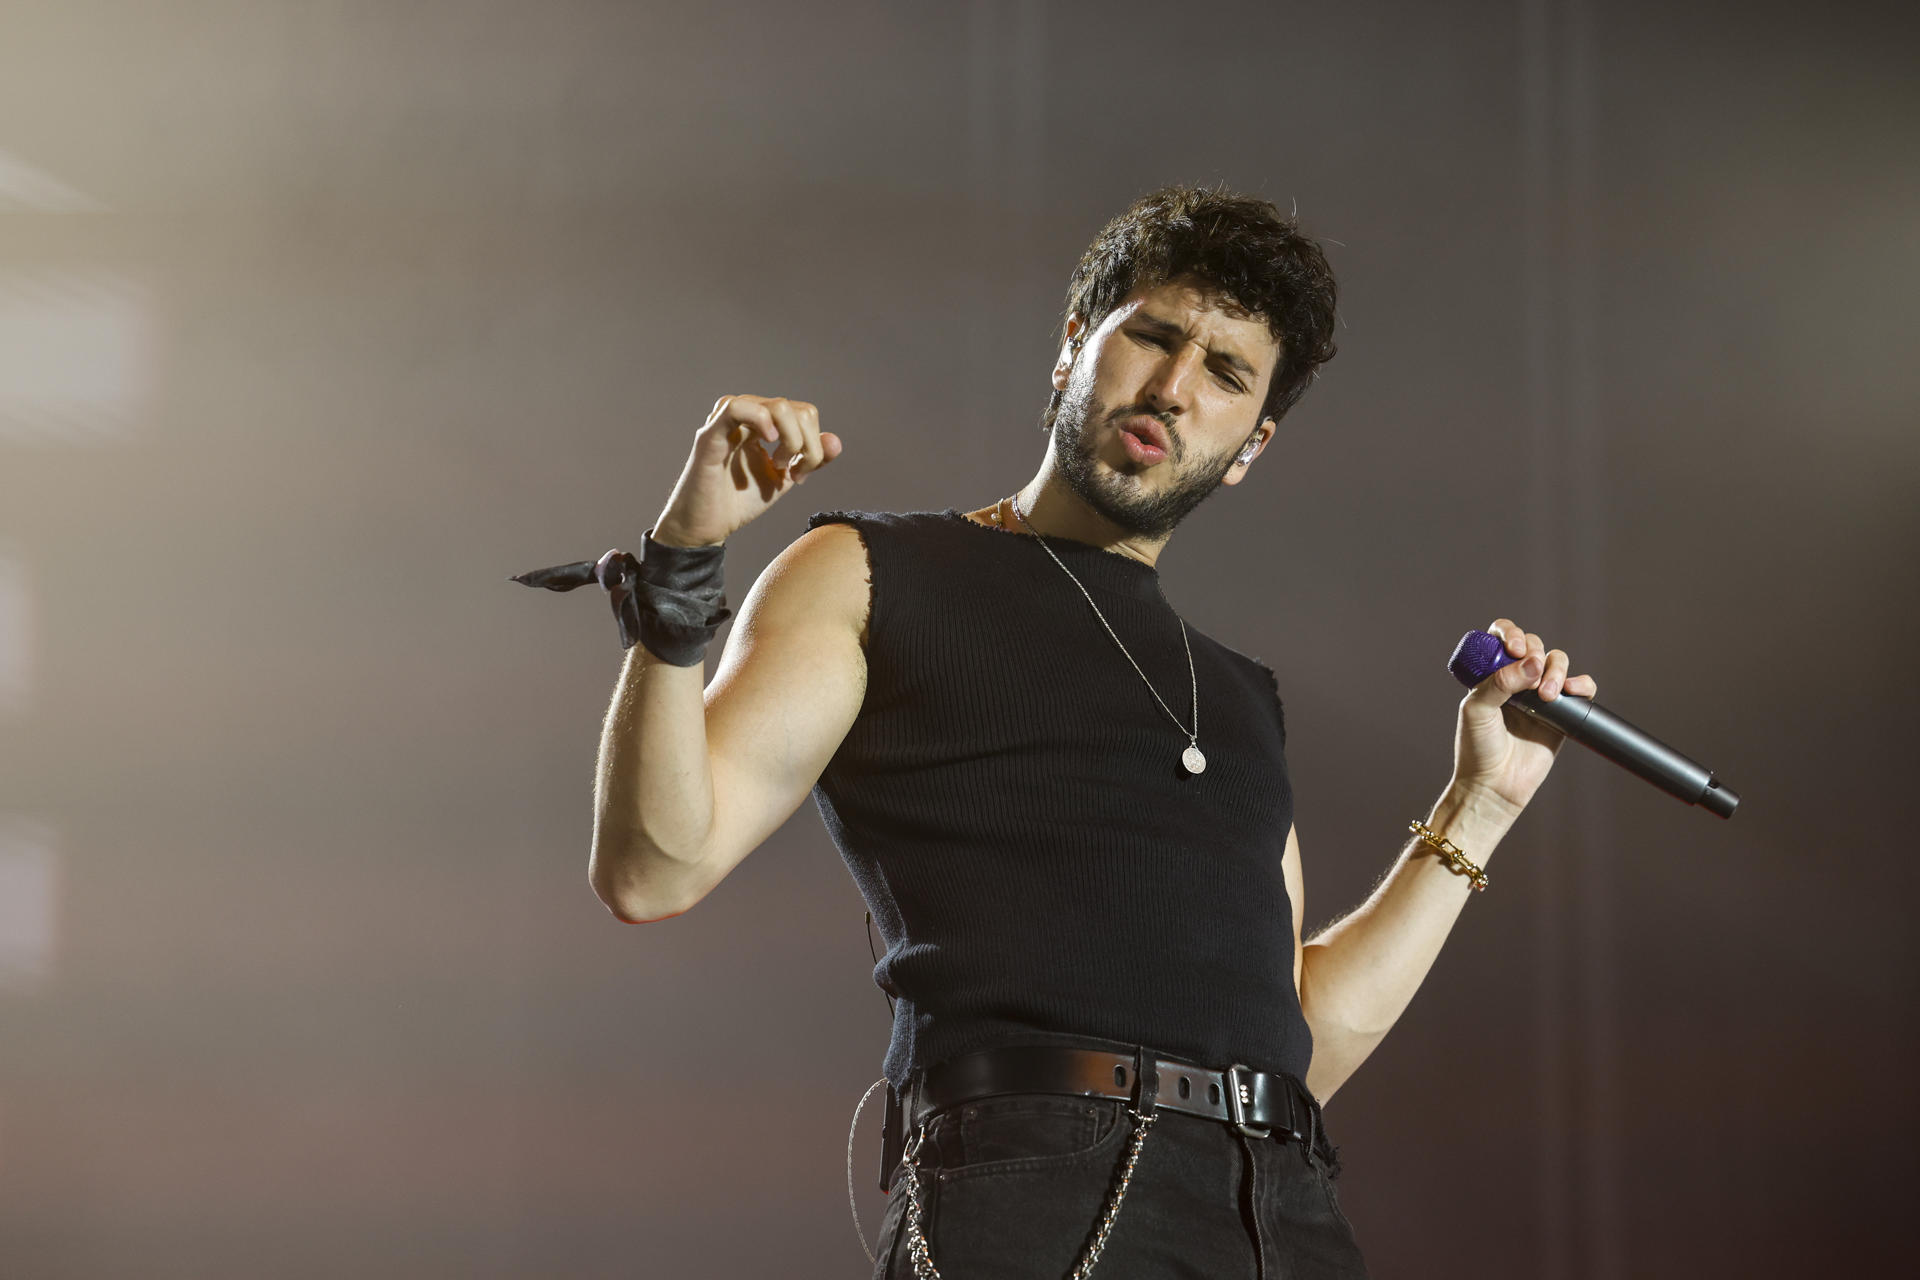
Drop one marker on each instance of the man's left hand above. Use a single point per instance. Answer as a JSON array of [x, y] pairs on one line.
[[1501, 751]]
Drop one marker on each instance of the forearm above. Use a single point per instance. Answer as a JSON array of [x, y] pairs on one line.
[[653, 789], [1359, 975]]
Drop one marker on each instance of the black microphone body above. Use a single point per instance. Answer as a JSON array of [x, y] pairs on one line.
[[1481, 653], [1633, 749]]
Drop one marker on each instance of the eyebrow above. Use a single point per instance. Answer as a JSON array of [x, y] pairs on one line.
[[1232, 359]]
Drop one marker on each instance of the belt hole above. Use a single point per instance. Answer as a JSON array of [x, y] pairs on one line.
[[1120, 1077], [1186, 1087], [1213, 1094]]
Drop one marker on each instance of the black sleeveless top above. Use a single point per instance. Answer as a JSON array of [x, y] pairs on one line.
[[1011, 803]]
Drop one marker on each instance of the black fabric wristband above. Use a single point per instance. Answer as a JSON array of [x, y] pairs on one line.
[[669, 599], [675, 601]]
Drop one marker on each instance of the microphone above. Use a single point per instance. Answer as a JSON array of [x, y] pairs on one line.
[[1481, 653]]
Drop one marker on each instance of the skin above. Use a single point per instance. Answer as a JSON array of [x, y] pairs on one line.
[[691, 780], [1163, 352]]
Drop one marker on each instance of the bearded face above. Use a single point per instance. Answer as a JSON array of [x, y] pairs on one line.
[[1116, 490], [1156, 405]]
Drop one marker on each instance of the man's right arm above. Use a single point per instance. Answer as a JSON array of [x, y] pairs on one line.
[[691, 781]]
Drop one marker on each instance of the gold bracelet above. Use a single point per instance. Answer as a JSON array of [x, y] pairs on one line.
[[1450, 854]]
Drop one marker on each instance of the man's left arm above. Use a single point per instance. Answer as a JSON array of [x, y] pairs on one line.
[[1356, 976]]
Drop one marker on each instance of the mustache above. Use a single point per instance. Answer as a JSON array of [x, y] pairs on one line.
[[1165, 417]]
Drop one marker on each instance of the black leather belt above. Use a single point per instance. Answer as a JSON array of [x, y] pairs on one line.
[[1259, 1104]]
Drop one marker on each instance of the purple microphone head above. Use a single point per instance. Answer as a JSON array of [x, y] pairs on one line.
[[1478, 655]]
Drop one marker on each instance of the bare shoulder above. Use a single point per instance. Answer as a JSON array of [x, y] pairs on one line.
[[822, 579], [792, 678], [807, 612]]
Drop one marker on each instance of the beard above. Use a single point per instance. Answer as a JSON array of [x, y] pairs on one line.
[[1116, 497]]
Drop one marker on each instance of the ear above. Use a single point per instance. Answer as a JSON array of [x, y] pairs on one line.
[[1248, 452], [1076, 334]]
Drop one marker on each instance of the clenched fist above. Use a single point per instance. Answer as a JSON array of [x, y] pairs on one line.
[[752, 450]]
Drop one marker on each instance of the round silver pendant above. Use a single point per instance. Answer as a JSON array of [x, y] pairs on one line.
[[1193, 760]]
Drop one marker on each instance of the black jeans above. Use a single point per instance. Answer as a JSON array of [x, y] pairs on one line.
[[1013, 1187]]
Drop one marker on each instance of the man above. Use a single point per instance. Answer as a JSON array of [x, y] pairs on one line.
[[1069, 812]]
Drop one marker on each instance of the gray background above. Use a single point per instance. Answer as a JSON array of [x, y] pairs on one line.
[[318, 319]]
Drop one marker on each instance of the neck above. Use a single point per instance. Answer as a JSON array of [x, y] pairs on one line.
[[1052, 508]]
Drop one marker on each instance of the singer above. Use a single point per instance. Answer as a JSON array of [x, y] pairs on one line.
[[1068, 810]]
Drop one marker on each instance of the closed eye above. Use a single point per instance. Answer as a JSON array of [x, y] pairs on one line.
[[1154, 340]]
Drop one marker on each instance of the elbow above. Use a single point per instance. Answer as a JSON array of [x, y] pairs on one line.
[[639, 913], [1343, 1036], [632, 894], [629, 906], [1339, 1006]]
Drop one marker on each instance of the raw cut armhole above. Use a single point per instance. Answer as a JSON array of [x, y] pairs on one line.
[[853, 521], [1279, 703]]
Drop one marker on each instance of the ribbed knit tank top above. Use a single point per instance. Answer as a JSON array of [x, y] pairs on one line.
[[1010, 802]]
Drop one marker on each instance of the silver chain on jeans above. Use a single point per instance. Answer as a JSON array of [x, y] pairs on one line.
[[859, 1230], [917, 1250]]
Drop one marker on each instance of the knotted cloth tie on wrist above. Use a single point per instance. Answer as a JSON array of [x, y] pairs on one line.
[[669, 599]]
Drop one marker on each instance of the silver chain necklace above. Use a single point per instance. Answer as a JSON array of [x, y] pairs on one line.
[[1191, 759]]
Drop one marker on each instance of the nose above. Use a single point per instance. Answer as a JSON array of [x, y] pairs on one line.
[[1170, 385]]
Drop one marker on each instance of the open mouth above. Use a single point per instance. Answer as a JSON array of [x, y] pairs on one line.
[[1141, 450]]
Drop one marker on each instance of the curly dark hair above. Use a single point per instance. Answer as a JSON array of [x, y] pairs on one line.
[[1242, 253]]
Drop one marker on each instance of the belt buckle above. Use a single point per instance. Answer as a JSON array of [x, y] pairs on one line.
[[1239, 1098]]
